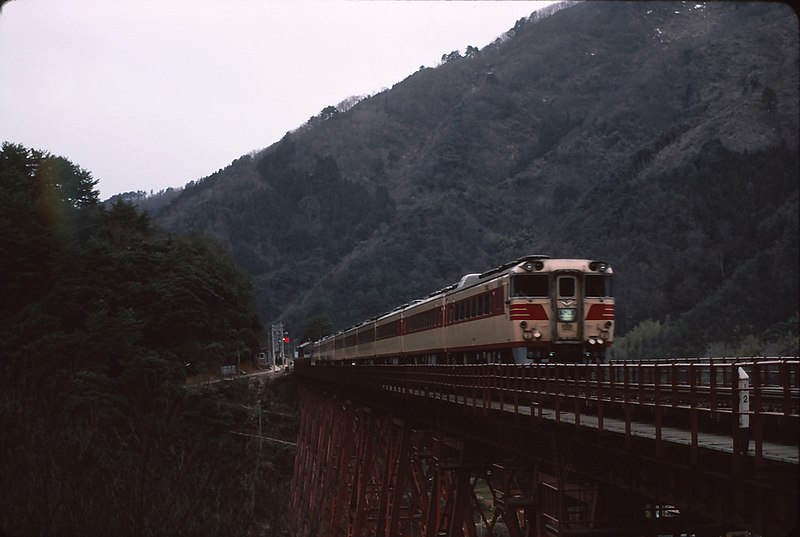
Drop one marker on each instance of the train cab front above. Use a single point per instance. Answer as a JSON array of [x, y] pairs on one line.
[[563, 310]]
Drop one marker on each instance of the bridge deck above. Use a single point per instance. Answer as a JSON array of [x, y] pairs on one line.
[[718, 442]]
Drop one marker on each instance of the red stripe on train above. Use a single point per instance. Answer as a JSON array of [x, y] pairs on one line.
[[534, 312], [600, 312]]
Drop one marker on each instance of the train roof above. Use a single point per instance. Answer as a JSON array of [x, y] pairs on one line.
[[511, 264]]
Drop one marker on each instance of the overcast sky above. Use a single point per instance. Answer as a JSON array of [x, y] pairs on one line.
[[148, 94]]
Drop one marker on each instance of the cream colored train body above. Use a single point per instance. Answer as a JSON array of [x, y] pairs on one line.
[[531, 310]]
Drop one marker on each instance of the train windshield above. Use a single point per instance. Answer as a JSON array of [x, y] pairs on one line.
[[530, 285], [566, 286], [597, 286]]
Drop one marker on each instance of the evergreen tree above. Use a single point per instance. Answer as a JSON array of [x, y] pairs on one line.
[[103, 312]]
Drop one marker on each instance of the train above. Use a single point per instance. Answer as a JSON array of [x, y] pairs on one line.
[[532, 310]]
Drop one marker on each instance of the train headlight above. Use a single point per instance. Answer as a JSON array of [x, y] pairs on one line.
[[523, 324], [527, 335], [537, 334], [592, 341]]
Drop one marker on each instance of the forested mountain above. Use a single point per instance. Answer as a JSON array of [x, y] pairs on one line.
[[662, 137]]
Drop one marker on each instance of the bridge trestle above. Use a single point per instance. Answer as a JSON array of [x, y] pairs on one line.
[[362, 471]]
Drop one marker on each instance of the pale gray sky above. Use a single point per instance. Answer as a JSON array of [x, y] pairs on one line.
[[148, 94]]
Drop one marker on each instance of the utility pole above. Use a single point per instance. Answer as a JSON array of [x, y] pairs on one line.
[[278, 349]]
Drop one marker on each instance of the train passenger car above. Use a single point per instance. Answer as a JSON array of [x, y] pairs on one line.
[[423, 329], [530, 310], [388, 331], [366, 338]]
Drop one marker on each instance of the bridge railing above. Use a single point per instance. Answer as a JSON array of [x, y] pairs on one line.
[[702, 397]]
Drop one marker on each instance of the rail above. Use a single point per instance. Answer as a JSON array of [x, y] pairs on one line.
[[701, 400]]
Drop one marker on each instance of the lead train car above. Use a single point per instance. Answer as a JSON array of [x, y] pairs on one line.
[[530, 310]]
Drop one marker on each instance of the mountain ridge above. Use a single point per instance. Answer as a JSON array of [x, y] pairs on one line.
[[480, 160]]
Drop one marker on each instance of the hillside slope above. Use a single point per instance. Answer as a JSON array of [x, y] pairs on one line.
[[659, 136]]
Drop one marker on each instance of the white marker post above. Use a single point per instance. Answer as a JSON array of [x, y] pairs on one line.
[[741, 440], [744, 399]]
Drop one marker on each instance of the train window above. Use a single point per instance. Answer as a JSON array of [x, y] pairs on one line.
[[530, 285], [387, 330], [422, 321], [596, 286], [566, 286]]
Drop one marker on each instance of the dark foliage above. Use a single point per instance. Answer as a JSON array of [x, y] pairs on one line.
[[103, 316]]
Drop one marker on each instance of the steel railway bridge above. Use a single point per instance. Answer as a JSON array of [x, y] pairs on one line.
[[694, 448]]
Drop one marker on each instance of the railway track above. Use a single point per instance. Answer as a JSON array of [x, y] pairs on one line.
[[701, 398]]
